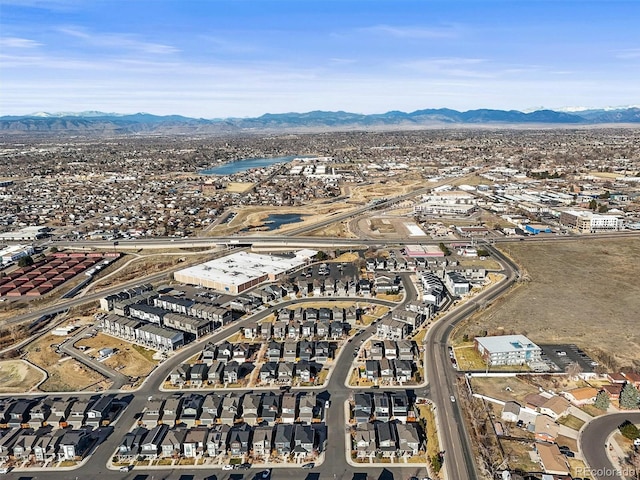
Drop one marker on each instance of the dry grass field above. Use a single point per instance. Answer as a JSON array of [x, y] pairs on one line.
[[129, 359], [239, 187], [503, 388], [18, 376], [582, 292], [68, 375]]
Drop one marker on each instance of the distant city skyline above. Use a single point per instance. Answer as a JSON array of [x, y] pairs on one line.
[[244, 58]]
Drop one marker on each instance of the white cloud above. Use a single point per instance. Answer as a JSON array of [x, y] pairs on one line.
[[15, 42], [122, 41], [413, 32]]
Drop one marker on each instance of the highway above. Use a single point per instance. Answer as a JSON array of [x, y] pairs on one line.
[[593, 440], [320, 242]]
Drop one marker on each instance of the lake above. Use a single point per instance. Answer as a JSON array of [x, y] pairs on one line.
[[276, 220], [247, 164]]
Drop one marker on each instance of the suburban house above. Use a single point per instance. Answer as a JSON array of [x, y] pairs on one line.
[[546, 429], [551, 459]]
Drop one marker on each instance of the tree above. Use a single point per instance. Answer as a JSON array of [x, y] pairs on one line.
[[603, 208], [629, 430], [25, 261], [573, 370], [444, 249], [593, 204], [629, 397], [602, 400]]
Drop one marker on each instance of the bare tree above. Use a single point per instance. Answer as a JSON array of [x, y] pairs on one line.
[[573, 370]]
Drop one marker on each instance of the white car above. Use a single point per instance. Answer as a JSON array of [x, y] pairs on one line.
[[453, 399], [227, 467], [125, 468]]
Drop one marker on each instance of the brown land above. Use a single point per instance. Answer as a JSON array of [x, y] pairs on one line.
[[129, 359], [503, 388], [68, 375], [239, 187], [18, 376], [581, 292]]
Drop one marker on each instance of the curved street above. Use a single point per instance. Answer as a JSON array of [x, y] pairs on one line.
[[593, 444]]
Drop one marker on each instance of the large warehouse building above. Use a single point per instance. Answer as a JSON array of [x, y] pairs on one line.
[[240, 271]]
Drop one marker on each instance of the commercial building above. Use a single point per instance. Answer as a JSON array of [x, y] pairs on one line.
[[240, 271], [14, 252], [586, 221], [507, 350], [423, 251]]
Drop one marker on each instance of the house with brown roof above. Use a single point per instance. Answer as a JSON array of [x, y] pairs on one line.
[[581, 396], [613, 390], [546, 429], [616, 378], [534, 401], [633, 378], [555, 407], [552, 461]]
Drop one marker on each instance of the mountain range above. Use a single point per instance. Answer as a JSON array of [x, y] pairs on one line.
[[99, 123]]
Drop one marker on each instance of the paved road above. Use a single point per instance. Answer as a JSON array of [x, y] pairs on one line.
[[459, 462], [118, 379], [593, 439], [288, 240]]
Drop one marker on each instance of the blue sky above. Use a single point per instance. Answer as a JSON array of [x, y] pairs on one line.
[[226, 58]]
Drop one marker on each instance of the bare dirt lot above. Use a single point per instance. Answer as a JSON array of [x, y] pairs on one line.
[[68, 375], [582, 292], [18, 376], [129, 359]]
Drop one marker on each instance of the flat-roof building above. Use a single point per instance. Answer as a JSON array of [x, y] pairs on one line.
[[15, 252], [586, 221], [240, 271], [507, 350]]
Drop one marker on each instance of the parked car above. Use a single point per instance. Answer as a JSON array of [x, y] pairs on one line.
[[309, 465], [227, 467]]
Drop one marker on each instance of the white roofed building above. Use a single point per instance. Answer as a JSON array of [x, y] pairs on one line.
[[507, 350], [240, 271]]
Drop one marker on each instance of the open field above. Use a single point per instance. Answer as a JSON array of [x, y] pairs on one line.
[[129, 359], [503, 388], [68, 375], [337, 230], [239, 187], [580, 292], [389, 188], [18, 376], [147, 265]]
